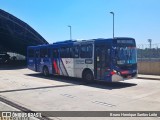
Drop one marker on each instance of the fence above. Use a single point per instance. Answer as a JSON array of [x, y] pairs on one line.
[[146, 52], [149, 59]]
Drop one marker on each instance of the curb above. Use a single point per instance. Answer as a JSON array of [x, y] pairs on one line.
[[147, 78]]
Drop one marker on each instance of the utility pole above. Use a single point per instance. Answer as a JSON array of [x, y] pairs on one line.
[[150, 46], [113, 23], [150, 43], [70, 28]]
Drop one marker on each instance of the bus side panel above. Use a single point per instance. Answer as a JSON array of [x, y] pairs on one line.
[[78, 67], [50, 66], [55, 66], [68, 67], [63, 66], [80, 64], [31, 58], [45, 62], [31, 64]]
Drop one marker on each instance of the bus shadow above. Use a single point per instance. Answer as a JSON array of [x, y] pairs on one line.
[[13, 65], [77, 81], [10, 67]]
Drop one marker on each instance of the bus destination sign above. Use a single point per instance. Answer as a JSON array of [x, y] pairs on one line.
[[125, 42]]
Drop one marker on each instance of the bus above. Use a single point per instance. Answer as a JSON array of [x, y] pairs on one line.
[[110, 60]]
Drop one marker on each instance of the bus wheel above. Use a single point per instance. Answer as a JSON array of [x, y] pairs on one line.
[[45, 71], [88, 75]]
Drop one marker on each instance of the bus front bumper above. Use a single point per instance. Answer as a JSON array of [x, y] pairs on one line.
[[117, 78]]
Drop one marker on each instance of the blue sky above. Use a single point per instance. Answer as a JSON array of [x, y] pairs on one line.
[[89, 19]]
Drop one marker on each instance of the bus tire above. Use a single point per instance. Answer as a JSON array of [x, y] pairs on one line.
[[88, 75], [45, 71]]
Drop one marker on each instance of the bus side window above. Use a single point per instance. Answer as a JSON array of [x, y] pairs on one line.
[[86, 51], [44, 52], [49, 53], [83, 51], [63, 52], [37, 53], [55, 53], [89, 51], [75, 52], [71, 52], [107, 57], [67, 52], [41, 53], [31, 52]]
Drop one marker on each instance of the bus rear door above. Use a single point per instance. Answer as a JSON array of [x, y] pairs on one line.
[[31, 58], [37, 60]]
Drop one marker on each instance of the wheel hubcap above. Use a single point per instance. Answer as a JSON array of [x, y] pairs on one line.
[[88, 77]]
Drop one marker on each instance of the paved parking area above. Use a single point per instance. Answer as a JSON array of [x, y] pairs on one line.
[[35, 92]]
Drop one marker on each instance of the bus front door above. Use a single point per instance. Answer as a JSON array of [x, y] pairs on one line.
[[100, 62]]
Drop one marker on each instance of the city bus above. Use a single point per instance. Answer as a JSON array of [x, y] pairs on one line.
[[110, 60]]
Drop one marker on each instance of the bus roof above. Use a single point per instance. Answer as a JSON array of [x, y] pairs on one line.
[[71, 42]]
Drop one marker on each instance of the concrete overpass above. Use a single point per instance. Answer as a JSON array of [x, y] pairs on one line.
[[16, 35]]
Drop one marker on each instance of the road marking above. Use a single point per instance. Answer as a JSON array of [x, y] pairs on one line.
[[103, 103], [67, 95]]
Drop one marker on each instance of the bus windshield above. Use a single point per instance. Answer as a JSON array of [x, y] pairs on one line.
[[125, 55]]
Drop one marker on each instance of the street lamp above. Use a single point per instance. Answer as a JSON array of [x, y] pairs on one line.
[[70, 28], [150, 43], [113, 22], [150, 52]]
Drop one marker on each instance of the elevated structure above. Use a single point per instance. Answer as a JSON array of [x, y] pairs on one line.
[[16, 35]]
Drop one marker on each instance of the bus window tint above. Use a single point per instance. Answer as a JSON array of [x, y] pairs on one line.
[[75, 51], [63, 52], [86, 51], [89, 51], [107, 57], [125, 55], [83, 52], [70, 52], [55, 53], [31, 52], [49, 52], [44, 52], [66, 52], [37, 53]]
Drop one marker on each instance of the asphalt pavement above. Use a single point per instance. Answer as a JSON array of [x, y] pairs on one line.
[[23, 89]]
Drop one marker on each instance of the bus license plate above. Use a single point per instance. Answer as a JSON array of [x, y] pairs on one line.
[[129, 76]]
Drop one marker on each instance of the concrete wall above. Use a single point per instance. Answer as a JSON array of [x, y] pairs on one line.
[[151, 68]]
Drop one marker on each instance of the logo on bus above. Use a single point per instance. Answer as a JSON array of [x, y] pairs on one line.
[[67, 62]]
